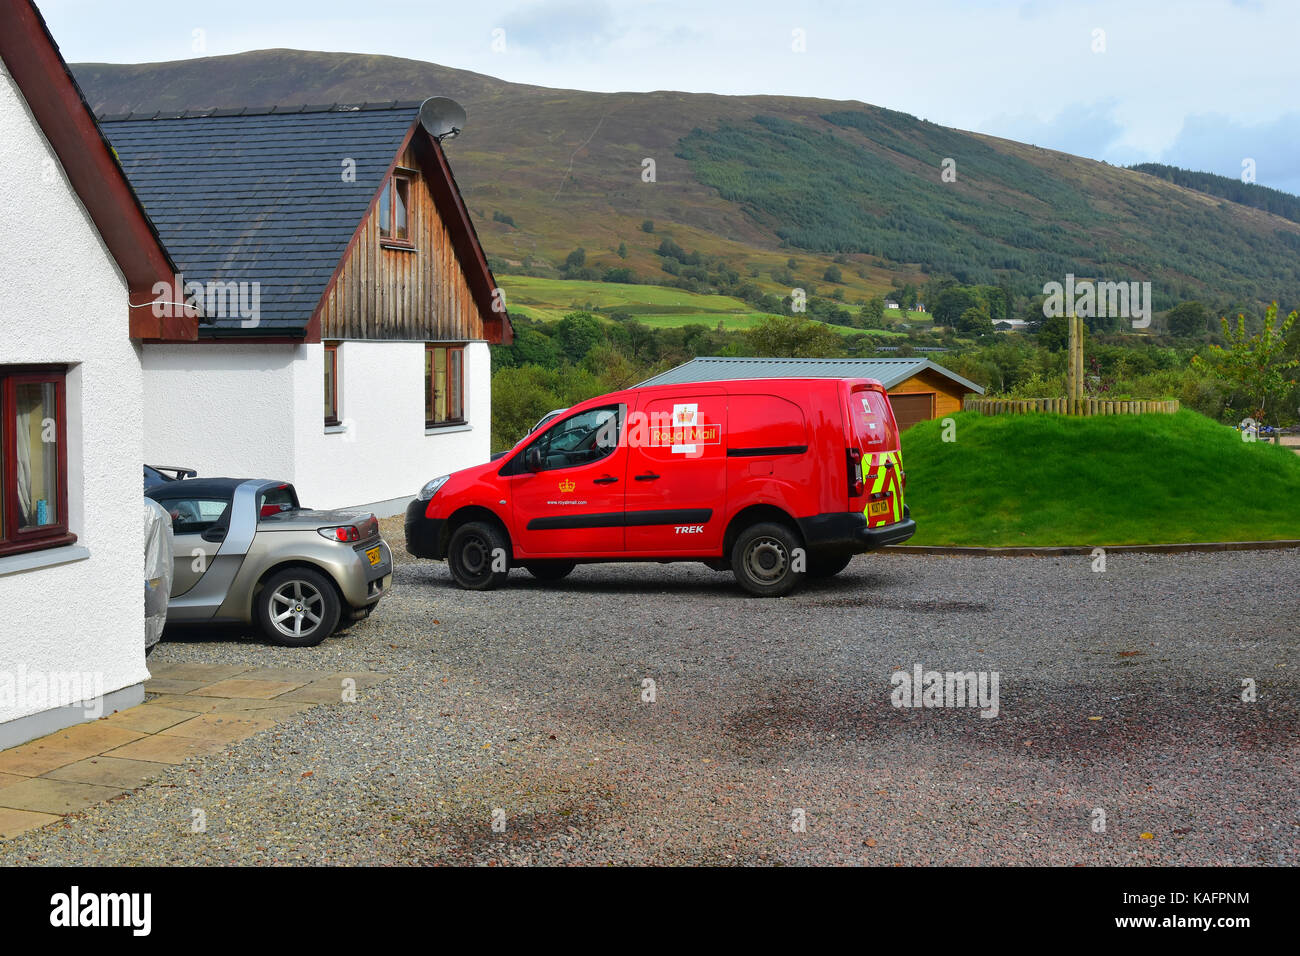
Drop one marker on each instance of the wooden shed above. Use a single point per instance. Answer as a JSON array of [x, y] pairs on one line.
[[918, 388]]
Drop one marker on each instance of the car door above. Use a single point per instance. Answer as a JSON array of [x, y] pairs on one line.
[[573, 503], [677, 476], [198, 524]]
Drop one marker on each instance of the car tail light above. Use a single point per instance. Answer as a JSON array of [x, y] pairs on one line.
[[344, 532], [856, 486]]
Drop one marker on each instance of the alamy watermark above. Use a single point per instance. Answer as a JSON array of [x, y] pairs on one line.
[[34, 691], [1088, 299], [215, 299], [922, 688]]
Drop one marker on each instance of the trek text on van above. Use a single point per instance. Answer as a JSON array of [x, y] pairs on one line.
[[773, 479]]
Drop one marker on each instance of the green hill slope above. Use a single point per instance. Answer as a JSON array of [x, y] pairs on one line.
[[1021, 480], [756, 179]]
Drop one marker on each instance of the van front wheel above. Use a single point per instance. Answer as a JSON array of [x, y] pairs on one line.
[[478, 556], [764, 560], [550, 570]]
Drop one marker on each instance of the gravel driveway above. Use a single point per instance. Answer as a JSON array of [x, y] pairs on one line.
[[1118, 691]]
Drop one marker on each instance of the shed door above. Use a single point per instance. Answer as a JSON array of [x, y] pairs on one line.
[[910, 409]]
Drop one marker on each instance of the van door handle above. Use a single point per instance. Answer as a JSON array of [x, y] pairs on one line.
[[648, 476], [607, 480]]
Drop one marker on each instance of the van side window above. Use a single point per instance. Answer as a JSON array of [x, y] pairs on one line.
[[580, 439]]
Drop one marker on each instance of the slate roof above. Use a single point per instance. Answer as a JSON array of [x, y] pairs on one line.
[[258, 195], [888, 371]]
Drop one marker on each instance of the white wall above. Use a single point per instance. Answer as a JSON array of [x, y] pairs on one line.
[[258, 411], [64, 301], [382, 452], [225, 410]]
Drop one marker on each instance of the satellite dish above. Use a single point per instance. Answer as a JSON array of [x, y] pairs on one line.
[[441, 117]]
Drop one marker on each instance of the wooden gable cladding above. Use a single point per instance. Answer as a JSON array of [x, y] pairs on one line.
[[385, 291]]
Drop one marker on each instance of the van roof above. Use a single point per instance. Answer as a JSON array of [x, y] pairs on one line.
[[731, 386], [888, 371]]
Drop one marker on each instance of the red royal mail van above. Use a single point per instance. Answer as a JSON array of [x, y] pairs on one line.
[[774, 479]]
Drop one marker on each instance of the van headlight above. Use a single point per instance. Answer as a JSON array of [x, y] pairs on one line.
[[431, 488]]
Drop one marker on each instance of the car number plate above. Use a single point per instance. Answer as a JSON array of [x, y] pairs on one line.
[[880, 507], [375, 556]]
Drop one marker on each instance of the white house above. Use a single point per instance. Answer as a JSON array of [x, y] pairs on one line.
[[347, 303], [78, 263]]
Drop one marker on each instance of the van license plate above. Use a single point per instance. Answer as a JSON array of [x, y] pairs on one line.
[[375, 555], [880, 507]]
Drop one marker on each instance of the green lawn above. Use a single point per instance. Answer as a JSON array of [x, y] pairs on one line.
[[657, 306], [1017, 480]]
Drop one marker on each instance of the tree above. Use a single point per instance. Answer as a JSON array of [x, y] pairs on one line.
[[833, 274], [1255, 367], [1187, 319], [622, 250], [975, 321], [794, 337], [1054, 333], [647, 225], [873, 313], [952, 302], [576, 259], [907, 297], [534, 348], [576, 334]]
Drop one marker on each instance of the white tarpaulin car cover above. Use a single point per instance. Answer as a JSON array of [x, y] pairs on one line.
[[157, 570]]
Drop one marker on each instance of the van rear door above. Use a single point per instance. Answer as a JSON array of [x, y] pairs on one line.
[[676, 474], [876, 434]]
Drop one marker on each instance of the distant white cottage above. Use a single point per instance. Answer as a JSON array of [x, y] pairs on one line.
[[78, 263]]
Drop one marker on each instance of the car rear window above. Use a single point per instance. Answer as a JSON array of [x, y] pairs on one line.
[[277, 500], [874, 421]]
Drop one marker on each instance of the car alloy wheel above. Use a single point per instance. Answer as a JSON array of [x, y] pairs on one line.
[[297, 609]]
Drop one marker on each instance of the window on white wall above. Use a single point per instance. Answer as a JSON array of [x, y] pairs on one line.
[[444, 385], [33, 459], [331, 383]]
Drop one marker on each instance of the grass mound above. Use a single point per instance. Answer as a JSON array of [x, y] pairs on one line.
[[1021, 480]]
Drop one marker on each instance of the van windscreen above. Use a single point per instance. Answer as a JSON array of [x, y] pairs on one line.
[[873, 421]]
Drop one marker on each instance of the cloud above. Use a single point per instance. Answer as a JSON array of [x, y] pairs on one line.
[[1213, 143], [557, 29], [1085, 129]]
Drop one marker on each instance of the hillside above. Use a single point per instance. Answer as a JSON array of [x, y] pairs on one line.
[[1225, 187], [759, 179], [1126, 479]]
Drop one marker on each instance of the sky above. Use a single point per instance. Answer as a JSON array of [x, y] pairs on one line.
[[1205, 84]]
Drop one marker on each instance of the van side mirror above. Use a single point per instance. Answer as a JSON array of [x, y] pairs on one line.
[[533, 459]]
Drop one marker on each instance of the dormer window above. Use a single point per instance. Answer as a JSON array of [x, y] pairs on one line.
[[394, 209]]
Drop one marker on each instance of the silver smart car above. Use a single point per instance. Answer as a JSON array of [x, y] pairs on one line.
[[247, 552]]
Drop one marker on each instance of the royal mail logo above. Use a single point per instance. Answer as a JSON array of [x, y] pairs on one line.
[[687, 431], [567, 485]]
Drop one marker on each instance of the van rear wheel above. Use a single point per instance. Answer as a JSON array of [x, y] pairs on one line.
[[764, 559], [827, 566], [478, 556]]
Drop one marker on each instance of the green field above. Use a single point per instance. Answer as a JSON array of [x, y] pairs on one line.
[[549, 300], [1021, 480]]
